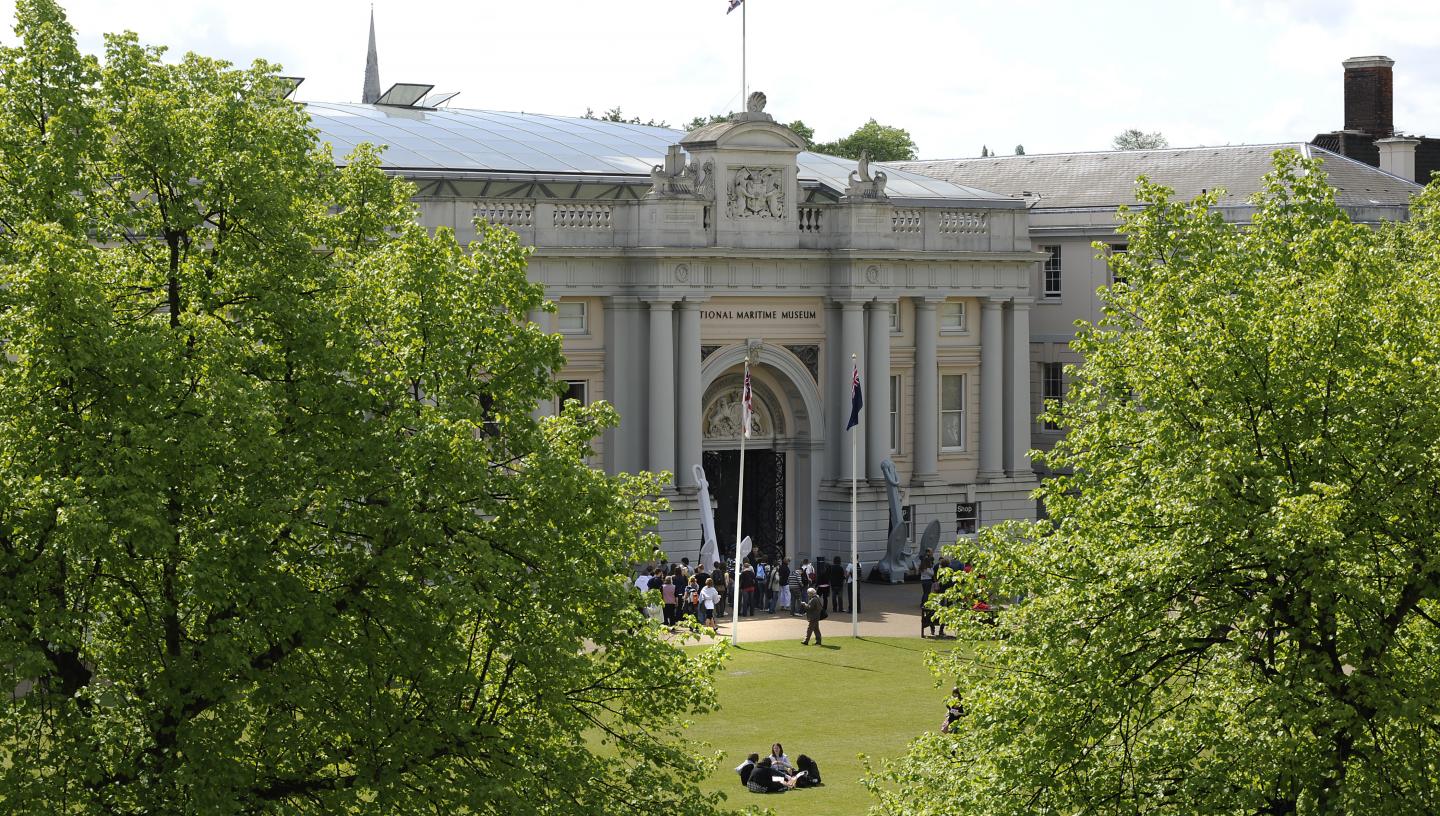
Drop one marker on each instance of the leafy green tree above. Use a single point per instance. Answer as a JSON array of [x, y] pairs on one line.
[[1019, 149], [278, 533], [615, 114], [1235, 604], [882, 142], [1133, 139]]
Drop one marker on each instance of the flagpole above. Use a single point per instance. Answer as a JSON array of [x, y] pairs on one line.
[[739, 507], [744, 80], [854, 528]]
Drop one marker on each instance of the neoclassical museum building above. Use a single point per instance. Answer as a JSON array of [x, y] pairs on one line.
[[672, 257]]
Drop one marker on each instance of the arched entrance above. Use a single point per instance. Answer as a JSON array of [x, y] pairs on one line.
[[782, 456]]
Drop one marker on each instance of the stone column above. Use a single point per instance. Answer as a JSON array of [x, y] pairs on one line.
[[992, 389], [1019, 345], [852, 341], [687, 409], [926, 408], [835, 369], [877, 391], [662, 387], [625, 383]]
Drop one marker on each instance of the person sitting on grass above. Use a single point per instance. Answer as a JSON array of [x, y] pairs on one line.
[[746, 768], [765, 779], [779, 761]]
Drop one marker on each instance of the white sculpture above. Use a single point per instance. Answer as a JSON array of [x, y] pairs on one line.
[[709, 547]]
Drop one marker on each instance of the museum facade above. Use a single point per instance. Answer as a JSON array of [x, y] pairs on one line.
[[673, 258]]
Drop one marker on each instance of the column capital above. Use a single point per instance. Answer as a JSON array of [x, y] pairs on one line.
[[877, 304], [851, 305], [623, 302], [926, 301], [688, 305], [993, 302], [1022, 303], [660, 304]]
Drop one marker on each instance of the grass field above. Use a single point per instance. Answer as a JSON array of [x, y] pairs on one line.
[[850, 697]]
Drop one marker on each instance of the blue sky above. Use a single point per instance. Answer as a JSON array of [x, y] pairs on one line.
[[958, 74]]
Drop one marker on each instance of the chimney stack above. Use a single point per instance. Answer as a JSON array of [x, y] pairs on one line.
[[1369, 101], [1397, 156]]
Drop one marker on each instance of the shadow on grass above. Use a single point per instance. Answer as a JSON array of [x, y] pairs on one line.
[[799, 659], [902, 647]]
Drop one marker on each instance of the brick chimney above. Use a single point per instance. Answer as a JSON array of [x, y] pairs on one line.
[[1369, 101]]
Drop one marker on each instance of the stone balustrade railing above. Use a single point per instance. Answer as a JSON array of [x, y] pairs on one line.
[[512, 214], [584, 216], [812, 219], [962, 222], [908, 220]]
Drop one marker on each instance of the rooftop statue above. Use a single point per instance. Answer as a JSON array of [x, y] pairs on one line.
[[863, 185]]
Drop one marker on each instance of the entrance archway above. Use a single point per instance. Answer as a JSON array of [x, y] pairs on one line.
[[784, 455]]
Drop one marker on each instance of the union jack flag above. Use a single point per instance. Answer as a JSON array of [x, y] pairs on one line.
[[734, 4], [747, 407]]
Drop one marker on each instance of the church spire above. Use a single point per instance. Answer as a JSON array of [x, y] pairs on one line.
[[372, 67]]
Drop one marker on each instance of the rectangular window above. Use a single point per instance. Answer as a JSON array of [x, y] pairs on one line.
[[952, 411], [907, 518], [1052, 271], [892, 311], [571, 317], [578, 390], [895, 413], [1052, 389], [1118, 249], [952, 316], [967, 518]]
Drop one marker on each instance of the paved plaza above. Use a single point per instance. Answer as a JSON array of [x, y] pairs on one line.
[[886, 611]]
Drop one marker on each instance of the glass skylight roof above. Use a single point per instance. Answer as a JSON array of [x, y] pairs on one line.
[[459, 140]]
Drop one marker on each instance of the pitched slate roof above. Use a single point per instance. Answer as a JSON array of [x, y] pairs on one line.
[[476, 141], [1107, 179]]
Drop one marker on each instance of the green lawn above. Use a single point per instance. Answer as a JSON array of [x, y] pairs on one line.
[[849, 697]]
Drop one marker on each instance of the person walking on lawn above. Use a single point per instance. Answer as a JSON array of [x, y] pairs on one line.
[[814, 611]]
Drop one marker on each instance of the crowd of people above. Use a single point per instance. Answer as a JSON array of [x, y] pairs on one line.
[[767, 586], [935, 582], [775, 773]]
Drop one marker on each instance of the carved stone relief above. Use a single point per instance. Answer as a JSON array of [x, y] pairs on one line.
[[706, 351], [757, 192], [810, 357], [723, 417]]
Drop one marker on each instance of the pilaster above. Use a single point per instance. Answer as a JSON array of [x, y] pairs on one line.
[[1019, 347], [662, 387], [926, 403], [992, 388], [877, 391], [688, 406]]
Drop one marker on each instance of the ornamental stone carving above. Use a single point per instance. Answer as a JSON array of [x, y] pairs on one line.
[[705, 180], [723, 420], [757, 192], [676, 178], [863, 185]]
